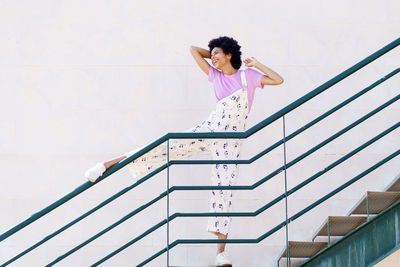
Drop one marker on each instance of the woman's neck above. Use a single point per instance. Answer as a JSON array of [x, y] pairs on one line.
[[228, 70]]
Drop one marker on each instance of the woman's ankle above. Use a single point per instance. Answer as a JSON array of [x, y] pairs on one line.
[[112, 162]]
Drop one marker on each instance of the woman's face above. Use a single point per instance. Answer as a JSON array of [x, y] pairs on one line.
[[219, 58]]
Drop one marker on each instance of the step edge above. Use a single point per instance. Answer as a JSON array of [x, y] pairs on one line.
[[352, 232]]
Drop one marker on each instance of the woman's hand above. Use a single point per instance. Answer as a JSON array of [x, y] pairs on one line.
[[250, 62], [270, 77]]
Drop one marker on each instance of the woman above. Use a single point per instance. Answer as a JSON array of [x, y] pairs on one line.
[[234, 90]]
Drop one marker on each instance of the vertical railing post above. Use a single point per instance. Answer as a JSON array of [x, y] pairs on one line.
[[167, 202], [286, 201], [329, 232]]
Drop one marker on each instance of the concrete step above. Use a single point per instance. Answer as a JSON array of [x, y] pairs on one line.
[[303, 249], [369, 244], [339, 225], [375, 202]]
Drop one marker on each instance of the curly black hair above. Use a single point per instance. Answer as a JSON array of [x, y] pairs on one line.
[[229, 46]]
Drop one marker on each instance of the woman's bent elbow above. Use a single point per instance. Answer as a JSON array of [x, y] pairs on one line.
[[278, 82]]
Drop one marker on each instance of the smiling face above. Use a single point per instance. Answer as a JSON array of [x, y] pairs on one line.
[[219, 58]]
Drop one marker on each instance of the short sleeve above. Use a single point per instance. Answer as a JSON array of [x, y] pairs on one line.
[[211, 74], [254, 78]]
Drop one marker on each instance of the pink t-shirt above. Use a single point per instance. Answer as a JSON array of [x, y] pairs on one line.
[[225, 85]]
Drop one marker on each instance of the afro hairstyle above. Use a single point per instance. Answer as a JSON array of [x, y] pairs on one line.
[[229, 46]]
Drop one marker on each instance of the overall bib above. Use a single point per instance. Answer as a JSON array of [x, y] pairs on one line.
[[230, 115]]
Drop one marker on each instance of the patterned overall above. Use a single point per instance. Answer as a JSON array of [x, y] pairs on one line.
[[230, 115]]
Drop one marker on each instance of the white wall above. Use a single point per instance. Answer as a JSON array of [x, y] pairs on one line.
[[84, 81]]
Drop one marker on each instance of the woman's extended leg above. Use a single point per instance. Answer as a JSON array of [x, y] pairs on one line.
[[97, 170], [112, 162], [146, 163]]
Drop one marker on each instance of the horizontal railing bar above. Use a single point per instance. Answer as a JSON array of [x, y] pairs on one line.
[[268, 120], [258, 183], [246, 134], [331, 166], [299, 101], [329, 112], [268, 205], [337, 190], [326, 114], [102, 204], [279, 226], [149, 231], [191, 187], [104, 231], [46, 210], [209, 161], [300, 130], [61, 201]]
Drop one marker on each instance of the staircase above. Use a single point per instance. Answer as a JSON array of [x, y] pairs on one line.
[[370, 205], [373, 210]]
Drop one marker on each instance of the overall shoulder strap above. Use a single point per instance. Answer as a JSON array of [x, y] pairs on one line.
[[244, 82]]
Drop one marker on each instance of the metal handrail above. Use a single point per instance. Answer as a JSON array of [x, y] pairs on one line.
[[169, 136], [279, 226], [260, 210], [254, 158], [291, 163]]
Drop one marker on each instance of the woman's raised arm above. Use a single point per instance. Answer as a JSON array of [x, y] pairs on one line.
[[199, 54], [270, 77]]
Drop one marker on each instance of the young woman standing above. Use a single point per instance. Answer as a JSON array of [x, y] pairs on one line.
[[234, 90]]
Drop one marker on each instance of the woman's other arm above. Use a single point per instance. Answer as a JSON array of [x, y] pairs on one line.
[[199, 54], [270, 77]]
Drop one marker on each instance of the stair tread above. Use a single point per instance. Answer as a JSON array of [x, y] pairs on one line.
[[340, 225], [304, 249], [378, 201]]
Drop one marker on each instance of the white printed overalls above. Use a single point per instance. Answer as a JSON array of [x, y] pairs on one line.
[[229, 116]]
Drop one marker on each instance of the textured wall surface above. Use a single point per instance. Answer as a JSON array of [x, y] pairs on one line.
[[85, 81], [391, 260]]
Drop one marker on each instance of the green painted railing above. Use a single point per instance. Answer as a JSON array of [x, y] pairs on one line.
[[175, 188], [238, 214], [371, 243], [291, 163], [273, 230], [246, 134]]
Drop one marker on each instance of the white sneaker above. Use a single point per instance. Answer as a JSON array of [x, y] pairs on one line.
[[222, 260], [95, 172]]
